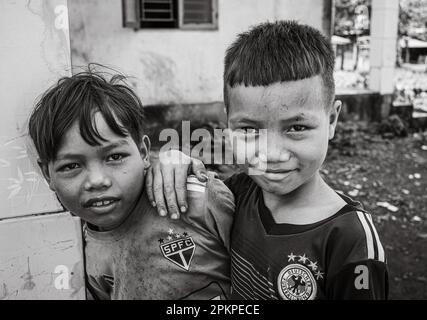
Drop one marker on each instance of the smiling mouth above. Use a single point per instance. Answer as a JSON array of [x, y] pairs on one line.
[[100, 202], [278, 171], [277, 175]]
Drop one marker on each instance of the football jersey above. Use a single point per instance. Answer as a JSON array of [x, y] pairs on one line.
[[340, 257], [153, 257]]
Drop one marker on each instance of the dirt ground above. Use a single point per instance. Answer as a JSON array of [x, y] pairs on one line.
[[393, 171]]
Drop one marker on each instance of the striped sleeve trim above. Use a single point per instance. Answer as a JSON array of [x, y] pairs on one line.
[[373, 244], [381, 254]]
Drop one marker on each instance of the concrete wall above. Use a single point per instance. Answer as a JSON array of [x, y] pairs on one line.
[[34, 53], [41, 256], [173, 66]]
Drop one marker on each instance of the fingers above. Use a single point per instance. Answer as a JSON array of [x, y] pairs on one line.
[[149, 186], [199, 169], [181, 189], [168, 181], [158, 191], [169, 191]]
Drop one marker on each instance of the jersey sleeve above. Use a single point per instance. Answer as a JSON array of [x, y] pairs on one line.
[[357, 267], [215, 207], [220, 209], [361, 280]]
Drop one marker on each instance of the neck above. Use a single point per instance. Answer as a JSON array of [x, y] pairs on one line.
[[297, 197], [297, 206]]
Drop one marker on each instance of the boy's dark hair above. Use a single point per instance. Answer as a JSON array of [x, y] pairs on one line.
[[276, 52], [77, 98]]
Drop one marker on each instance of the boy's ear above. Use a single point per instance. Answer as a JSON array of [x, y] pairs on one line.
[[44, 167], [144, 149], [333, 118]]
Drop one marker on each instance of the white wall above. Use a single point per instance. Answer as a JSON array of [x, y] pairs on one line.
[[41, 258], [383, 42], [173, 66], [34, 53]]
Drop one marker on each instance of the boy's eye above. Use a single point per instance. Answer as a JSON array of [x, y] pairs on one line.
[[248, 130], [116, 157], [69, 167], [298, 128]]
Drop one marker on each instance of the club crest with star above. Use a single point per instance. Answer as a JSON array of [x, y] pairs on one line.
[[178, 248], [297, 280]]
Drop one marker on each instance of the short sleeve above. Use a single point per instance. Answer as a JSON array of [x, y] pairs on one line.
[[357, 266], [220, 209], [362, 280]]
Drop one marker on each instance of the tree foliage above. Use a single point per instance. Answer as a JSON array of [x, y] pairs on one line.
[[346, 12], [412, 16]]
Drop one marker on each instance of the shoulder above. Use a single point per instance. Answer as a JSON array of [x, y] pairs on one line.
[[353, 237], [213, 193], [211, 206]]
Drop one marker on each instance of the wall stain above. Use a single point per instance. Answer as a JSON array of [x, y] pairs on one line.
[[159, 71], [28, 278], [4, 293]]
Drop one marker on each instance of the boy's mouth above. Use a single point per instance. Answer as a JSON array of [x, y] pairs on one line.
[[100, 202], [277, 171], [277, 175], [271, 174]]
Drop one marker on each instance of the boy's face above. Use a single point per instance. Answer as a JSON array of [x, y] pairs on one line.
[[100, 184], [297, 126]]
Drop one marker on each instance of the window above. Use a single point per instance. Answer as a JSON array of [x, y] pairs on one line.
[[182, 14]]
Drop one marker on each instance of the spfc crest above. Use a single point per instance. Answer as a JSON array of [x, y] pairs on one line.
[[178, 248]]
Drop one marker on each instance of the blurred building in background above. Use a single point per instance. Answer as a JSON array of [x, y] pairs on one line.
[[175, 48]]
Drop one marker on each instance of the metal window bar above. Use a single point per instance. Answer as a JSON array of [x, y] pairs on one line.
[[185, 14], [157, 10]]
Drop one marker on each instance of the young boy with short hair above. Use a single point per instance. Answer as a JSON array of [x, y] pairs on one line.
[[89, 135], [293, 236]]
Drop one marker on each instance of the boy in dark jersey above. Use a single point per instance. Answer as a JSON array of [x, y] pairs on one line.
[[293, 236], [89, 134]]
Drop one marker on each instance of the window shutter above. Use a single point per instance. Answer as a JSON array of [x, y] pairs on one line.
[[130, 12], [197, 12]]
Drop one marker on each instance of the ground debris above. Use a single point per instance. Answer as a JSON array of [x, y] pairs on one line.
[[388, 206], [416, 219]]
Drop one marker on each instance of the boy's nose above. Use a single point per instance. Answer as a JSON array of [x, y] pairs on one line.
[[276, 150], [97, 179]]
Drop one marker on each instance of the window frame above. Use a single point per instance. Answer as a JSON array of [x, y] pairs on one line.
[[198, 26], [133, 24], [179, 24]]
